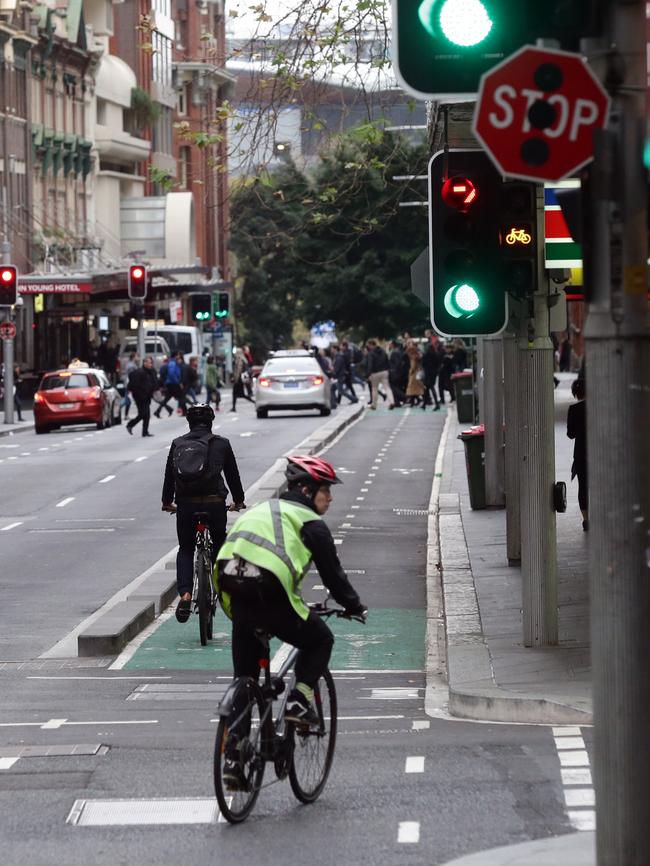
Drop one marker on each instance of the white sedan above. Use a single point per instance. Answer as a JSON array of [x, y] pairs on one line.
[[292, 380]]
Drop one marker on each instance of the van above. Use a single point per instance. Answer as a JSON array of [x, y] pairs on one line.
[[158, 348], [180, 338]]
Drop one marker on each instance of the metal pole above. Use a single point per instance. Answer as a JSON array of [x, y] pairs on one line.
[[141, 332], [618, 417], [493, 420], [7, 345], [512, 422], [480, 377], [537, 468]]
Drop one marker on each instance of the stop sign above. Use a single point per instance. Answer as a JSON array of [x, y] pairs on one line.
[[537, 111]]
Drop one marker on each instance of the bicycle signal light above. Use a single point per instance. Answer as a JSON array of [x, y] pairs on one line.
[[137, 284], [519, 236]]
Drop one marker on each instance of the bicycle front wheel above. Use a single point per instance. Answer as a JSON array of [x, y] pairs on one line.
[[204, 599], [239, 741], [313, 750]]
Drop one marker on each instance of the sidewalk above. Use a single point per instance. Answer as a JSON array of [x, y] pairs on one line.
[[575, 849], [491, 674], [26, 425]]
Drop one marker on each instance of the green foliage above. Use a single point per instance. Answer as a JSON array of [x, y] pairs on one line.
[[144, 111], [334, 243]]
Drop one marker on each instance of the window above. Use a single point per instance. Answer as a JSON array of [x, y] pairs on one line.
[[182, 99], [68, 381], [101, 112], [184, 167]]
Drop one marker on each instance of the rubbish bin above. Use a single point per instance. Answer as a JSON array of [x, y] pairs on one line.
[[474, 442], [464, 393]]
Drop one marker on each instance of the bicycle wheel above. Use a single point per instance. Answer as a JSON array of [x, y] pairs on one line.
[[313, 750], [204, 597], [245, 742]]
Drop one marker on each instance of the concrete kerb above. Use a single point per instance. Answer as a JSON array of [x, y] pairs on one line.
[[271, 484], [572, 849], [473, 691]]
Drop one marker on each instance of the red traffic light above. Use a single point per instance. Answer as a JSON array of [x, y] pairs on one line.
[[8, 285], [459, 193], [137, 282]]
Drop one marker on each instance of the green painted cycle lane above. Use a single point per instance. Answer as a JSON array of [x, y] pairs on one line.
[[391, 639]]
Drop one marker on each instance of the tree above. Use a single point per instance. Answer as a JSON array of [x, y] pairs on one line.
[[333, 244]]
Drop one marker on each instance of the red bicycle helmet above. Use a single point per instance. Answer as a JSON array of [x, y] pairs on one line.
[[307, 470]]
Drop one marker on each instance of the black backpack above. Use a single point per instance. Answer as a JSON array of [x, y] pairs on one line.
[[194, 471]]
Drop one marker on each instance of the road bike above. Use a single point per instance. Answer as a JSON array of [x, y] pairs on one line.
[[303, 753], [204, 598]]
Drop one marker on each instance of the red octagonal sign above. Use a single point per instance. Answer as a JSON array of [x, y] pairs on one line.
[[537, 111]]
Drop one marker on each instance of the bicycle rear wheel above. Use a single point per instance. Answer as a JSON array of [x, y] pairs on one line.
[[241, 738], [313, 750], [204, 599]]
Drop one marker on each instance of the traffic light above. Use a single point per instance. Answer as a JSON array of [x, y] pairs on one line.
[[201, 307], [221, 304], [8, 285], [137, 285], [481, 242], [442, 47]]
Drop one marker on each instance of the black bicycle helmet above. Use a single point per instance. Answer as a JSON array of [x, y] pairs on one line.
[[315, 471], [200, 414]]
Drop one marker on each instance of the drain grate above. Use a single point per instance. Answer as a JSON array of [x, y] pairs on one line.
[[412, 512], [178, 692], [76, 749], [137, 813]]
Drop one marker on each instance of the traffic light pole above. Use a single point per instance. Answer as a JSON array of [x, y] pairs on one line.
[[512, 422], [536, 462], [492, 416], [141, 332], [617, 337], [8, 345]]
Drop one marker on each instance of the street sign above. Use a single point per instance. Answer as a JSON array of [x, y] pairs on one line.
[[7, 331], [537, 112]]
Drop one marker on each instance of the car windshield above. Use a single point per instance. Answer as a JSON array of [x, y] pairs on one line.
[[291, 365], [63, 380]]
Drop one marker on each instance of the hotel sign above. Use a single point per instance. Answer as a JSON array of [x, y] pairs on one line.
[[55, 288]]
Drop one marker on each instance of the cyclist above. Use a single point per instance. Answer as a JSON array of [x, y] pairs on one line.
[[259, 571], [193, 480]]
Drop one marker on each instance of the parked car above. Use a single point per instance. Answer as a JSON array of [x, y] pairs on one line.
[[157, 347], [292, 380], [180, 338], [78, 394]]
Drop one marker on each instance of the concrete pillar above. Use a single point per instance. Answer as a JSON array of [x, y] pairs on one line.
[[493, 420], [512, 462]]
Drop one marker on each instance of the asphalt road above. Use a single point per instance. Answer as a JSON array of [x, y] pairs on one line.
[[404, 789]]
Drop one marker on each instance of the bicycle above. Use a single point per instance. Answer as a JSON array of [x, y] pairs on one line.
[[302, 753]]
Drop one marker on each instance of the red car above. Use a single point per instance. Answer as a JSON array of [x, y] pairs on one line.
[[76, 395]]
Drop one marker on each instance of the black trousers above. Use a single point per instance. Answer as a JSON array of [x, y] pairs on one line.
[[268, 607], [144, 414], [186, 531], [173, 392]]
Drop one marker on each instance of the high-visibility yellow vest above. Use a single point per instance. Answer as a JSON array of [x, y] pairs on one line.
[[269, 536]]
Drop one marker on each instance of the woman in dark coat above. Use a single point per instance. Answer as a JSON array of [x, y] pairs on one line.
[[576, 428]]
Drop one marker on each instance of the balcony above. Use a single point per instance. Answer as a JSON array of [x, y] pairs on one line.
[[120, 146]]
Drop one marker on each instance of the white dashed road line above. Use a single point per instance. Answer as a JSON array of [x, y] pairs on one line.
[[11, 526], [414, 764], [140, 459], [7, 763], [579, 794], [64, 502], [408, 832], [106, 480]]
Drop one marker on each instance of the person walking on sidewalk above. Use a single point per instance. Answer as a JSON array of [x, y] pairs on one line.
[[576, 429], [193, 480], [415, 386], [143, 382], [377, 366], [430, 367]]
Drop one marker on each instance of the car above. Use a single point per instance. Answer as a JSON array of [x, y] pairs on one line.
[[78, 394], [292, 380], [157, 347], [180, 338]]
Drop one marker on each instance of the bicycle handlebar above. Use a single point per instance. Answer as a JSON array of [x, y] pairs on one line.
[[322, 609]]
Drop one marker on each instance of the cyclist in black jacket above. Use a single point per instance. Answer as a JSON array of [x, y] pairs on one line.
[[206, 494]]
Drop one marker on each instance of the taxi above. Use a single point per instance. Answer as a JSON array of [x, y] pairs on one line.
[[78, 394]]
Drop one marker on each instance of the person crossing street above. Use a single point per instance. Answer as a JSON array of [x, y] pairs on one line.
[[143, 382]]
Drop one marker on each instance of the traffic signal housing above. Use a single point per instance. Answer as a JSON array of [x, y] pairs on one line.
[[482, 241], [137, 283], [8, 285], [442, 47], [221, 301], [201, 307]]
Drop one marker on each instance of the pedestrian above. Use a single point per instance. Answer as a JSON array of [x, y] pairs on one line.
[[377, 366], [460, 354], [248, 380], [447, 369], [576, 428], [354, 359], [415, 386], [143, 382], [212, 382], [339, 373], [430, 367], [395, 370], [240, 375], [18, 406], [173, 385], [191, 378], [131, 365], [194, 485], [565, 355]]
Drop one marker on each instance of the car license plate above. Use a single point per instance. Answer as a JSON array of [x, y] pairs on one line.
[[66, 405], [290, 384]]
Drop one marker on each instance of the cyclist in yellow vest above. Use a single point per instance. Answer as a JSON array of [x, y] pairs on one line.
[[259, 573]]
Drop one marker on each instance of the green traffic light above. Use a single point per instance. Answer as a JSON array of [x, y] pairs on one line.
[[461, 301], [462, 22]]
